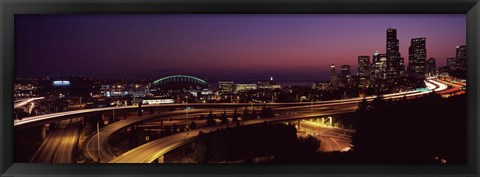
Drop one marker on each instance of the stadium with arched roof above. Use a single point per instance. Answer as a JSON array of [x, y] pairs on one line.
[[179, 82]]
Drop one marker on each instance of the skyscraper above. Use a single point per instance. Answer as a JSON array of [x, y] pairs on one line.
[[332, 70], [431, 67], [461, 55], [363, 66], [451, 63], [394, 60], [379, 64], [346, 71], [461, 51], [345, 77], [416, 57], [333, 77]]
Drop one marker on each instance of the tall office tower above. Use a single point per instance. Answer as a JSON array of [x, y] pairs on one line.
[[461, 51], [332, 70], [363, 66], [375, 59], [461, 57], [394, 60], [431, 67], [416, 57], [333, 76], [379, 65], [346, 71], [345, 77]]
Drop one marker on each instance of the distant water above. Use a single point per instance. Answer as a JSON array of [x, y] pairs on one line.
[[282, 83], [294, 83]]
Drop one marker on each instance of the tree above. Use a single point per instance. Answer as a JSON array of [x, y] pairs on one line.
[[235, 116], [263, 112], [174, 128], [270, 112], [378, 103], [310, 144], [254, 114], [210, 120], [363, 105], [140, 111], [168, 130], [193, 125], [245, 115], [200, 153], [223, 118]]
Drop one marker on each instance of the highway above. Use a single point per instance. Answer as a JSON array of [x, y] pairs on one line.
[[331, 139], [48, 118], [151, 151], [59, 146], [453, 88], [92, 143], [20, 103]]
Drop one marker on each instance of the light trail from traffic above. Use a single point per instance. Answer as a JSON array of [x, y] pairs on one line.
[[25, 102], [110, 129]]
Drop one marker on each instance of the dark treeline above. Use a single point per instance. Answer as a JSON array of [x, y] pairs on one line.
[[245, 143], [411, 130], [404, 132]]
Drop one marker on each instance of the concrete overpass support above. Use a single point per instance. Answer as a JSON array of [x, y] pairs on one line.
[[161, 159], [44, 132]]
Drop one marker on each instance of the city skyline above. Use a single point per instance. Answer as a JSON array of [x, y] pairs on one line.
[[219, 47]]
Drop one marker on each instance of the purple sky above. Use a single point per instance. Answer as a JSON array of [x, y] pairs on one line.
[[219, 47]]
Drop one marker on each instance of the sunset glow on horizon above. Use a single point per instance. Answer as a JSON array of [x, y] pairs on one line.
[[219, 47]]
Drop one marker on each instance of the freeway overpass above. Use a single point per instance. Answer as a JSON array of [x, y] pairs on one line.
[[49, 118], [91, 147], [38, 120], [155, 149]]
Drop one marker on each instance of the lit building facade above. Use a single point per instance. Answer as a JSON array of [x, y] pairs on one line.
[[363, 66], [395, 65], [245, 87], [431, 67], [461, 55], [379, 70], [226, 87], [345, 71], [417, 57], [451, 63], [333, 77]]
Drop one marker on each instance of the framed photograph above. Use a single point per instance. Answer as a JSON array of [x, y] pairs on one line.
[[239, 88]]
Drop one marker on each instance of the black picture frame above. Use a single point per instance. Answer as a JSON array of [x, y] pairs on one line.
[[11, 7]]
